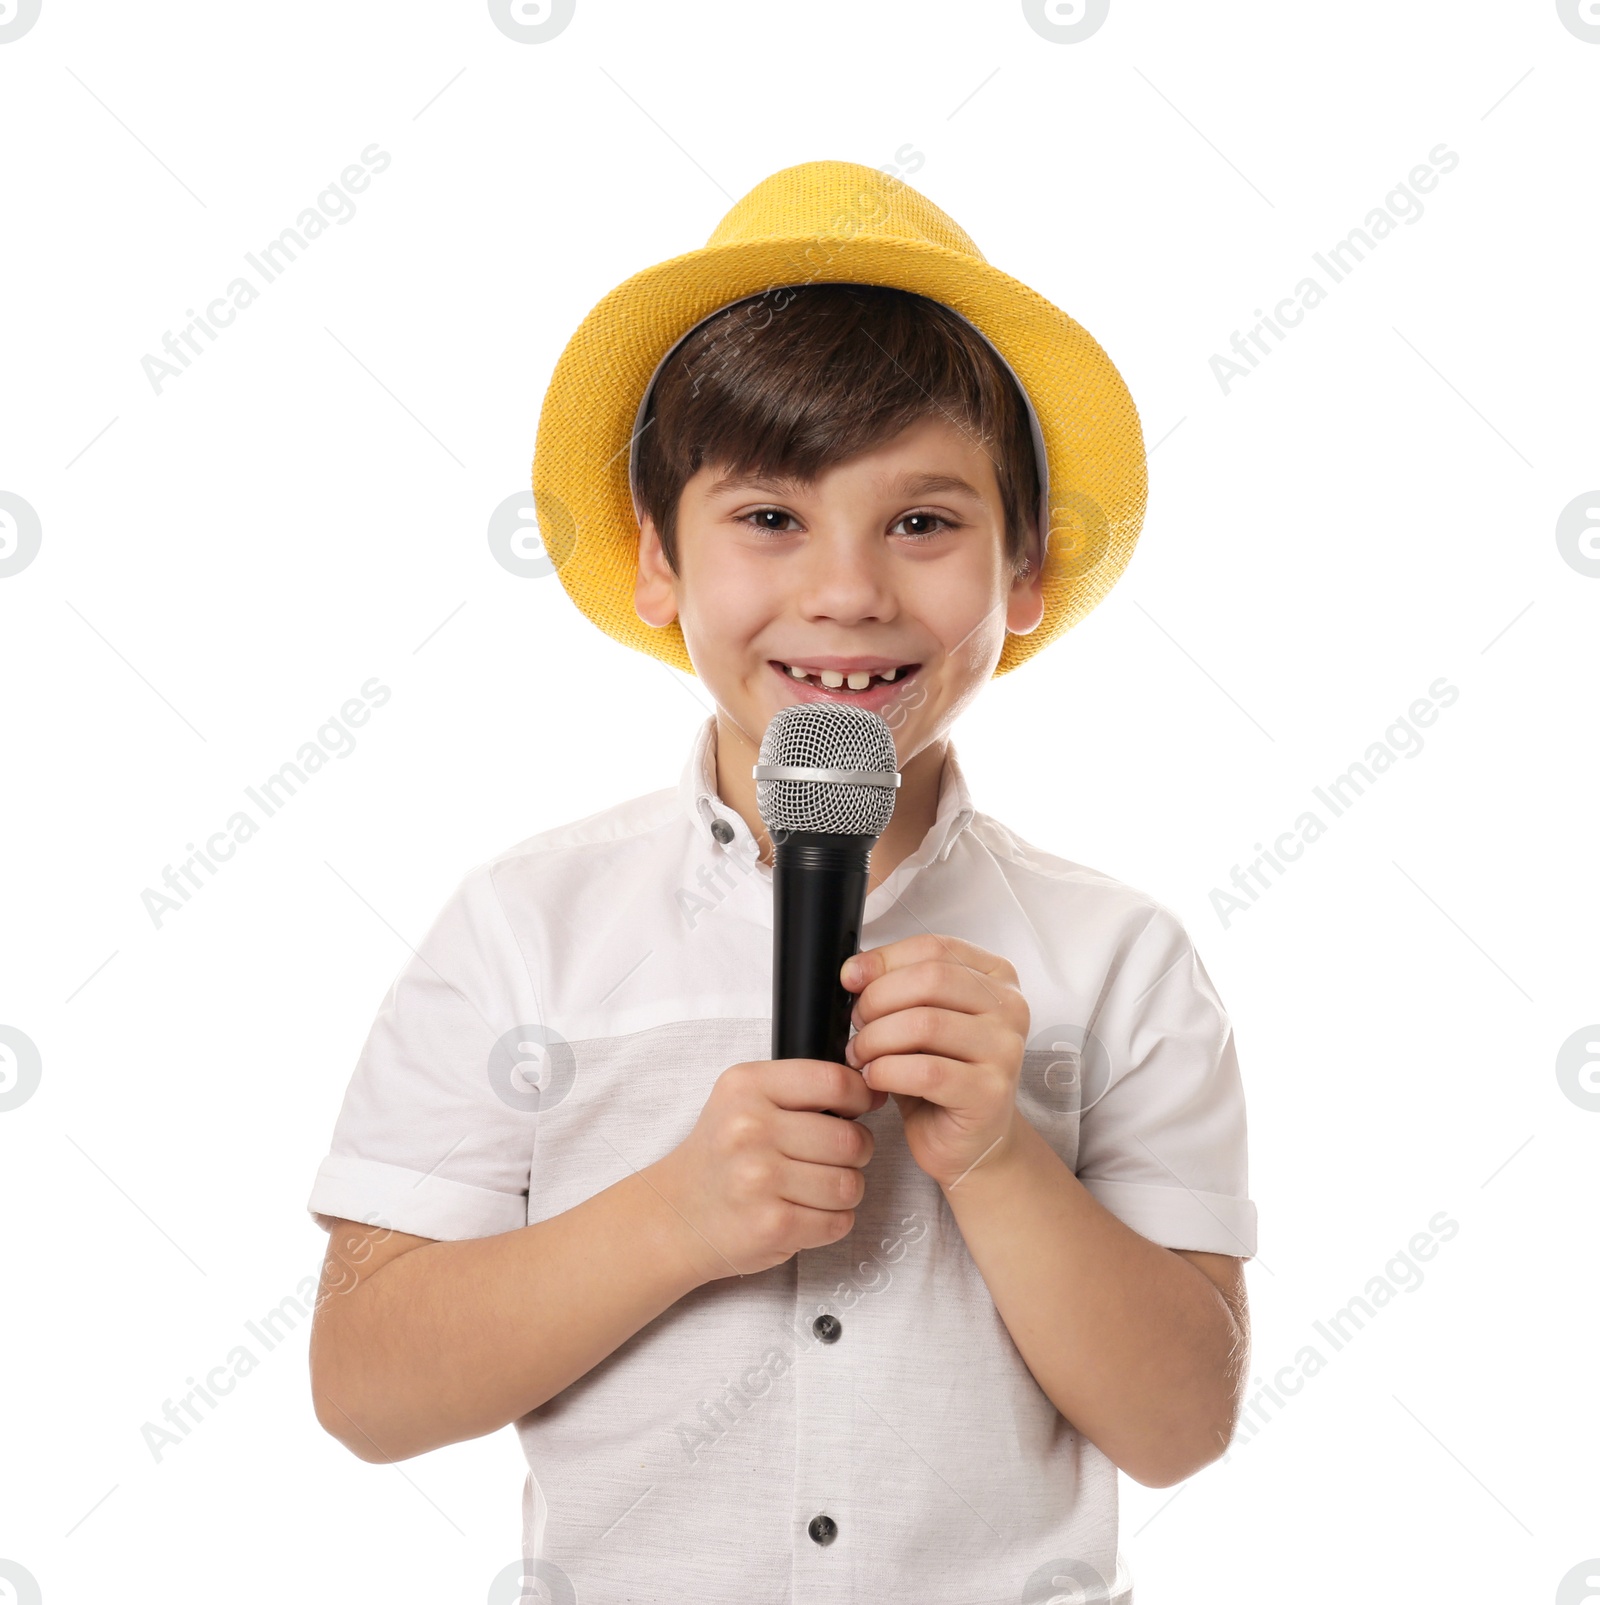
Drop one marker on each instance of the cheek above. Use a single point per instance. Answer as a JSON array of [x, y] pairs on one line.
[[969, 620], [724, 604]]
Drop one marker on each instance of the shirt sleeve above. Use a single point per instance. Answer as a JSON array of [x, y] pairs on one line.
[[435, 1135], [1163, 1143]]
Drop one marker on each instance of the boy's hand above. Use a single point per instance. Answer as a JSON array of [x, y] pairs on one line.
[[765, 1172], [941, 1025]]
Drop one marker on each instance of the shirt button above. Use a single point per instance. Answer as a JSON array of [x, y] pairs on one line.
[[823, 1529], [722, 830], [827, 1328]]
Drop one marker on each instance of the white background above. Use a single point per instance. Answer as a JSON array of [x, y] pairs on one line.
[[223, 564]]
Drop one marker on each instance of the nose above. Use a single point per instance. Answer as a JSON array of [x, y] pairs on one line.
[[845, 579]]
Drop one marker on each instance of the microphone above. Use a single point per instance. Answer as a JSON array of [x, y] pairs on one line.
[[825, 786]]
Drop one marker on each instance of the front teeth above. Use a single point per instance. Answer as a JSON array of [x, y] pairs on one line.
[[833, 679]]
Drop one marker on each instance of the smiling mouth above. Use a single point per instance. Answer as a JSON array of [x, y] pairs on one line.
[[837, 683]]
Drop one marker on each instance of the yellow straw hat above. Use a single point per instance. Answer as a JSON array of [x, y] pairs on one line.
[[833, 222]]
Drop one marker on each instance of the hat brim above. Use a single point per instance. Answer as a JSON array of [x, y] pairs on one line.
[[1094, 444]]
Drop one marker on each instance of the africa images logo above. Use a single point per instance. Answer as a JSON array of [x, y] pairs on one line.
[[1403, 739]]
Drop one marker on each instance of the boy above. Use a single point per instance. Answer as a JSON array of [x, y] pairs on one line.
[[755, 1352]]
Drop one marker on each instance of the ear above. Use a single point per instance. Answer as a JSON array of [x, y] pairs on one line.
[[655, 586], [1025, 604]]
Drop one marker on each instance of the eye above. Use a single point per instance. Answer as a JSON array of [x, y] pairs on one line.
[[765, 513], [926, 518], [769, 521]]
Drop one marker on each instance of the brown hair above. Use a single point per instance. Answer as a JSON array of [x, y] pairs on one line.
[[794, 380]]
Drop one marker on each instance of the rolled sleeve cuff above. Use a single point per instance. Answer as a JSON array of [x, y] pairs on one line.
[[1179, 1217], [410, 1201]]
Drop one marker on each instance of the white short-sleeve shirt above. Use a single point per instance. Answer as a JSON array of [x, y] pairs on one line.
[[562, 1024]]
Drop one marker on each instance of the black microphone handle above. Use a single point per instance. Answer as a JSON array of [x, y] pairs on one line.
[[819, 893]]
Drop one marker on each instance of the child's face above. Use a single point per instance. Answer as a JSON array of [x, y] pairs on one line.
[[872, 568]]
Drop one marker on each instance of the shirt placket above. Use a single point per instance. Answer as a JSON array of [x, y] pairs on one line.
[[820, 1336], [829, 1328], [829, 1335]]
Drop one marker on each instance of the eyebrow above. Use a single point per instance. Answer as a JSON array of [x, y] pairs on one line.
[[924, 484]]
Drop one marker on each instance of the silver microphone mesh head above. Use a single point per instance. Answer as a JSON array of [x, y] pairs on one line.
[[827, 735]]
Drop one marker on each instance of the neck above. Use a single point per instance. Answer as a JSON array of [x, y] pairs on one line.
[[916, 801]]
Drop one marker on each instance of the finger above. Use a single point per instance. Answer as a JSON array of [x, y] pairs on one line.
[[819, 1139], [921, 1075], [969, 1037], [936, 982], [829, 1187], [866, 966], [814, 1084]]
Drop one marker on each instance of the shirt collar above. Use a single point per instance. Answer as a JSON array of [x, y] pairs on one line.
[[713, 820]]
